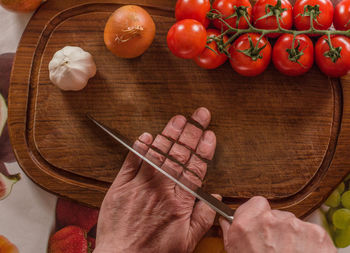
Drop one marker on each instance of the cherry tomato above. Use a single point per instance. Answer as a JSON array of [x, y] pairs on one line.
[[208, 59], [259, 58], [270, 23], [227, 8], [323, 9], [293, 62], [323, 60], [193, 9], [187, 38], [341, 19]]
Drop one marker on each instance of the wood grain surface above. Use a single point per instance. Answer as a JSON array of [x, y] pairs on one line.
[[281, 137]]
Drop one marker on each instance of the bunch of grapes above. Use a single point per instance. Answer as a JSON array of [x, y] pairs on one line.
[[338, 214]]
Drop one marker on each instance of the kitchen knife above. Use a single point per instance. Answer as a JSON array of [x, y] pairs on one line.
[[221, 208]]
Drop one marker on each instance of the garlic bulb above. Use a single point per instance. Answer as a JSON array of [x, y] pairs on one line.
[[71, 68]]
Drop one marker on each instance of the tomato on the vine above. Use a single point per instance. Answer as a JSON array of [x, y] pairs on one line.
[[265, 11], [341, 19], [187, 38], [335, 61], [193, 9], [209, 59], [249, 56], [234, 9], [296, 60], [322, 10]]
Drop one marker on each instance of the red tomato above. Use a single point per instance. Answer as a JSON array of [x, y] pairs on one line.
[[227, 8], [342, 65], [193, 9], [258, 61], [323, 9], [270, 23], [341, 19], [208, 59], [187, 38], [293, 62]]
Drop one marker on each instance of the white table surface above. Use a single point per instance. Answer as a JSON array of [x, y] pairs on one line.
[[27, 216]]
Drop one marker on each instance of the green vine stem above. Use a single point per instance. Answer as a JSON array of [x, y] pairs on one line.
[[214, 14]]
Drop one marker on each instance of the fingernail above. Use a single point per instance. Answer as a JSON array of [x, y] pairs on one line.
[[209, 137], [179, 122], [202, 114], [146, 138]]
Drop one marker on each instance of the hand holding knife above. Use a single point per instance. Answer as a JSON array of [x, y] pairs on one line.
[[193, 189]]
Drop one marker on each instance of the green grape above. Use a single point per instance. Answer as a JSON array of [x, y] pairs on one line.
[[341, 218], [329, 214], [345, 199], [324, 221], [341, 188], [342, 238], [333, 199]]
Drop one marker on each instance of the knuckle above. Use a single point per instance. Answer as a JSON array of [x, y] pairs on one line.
[[269, 220], [320, 232], [155, 156], [260, 204], [293, 224], [259, 200], [140, 147], [240, 225], [197, 166], [180, 153], [174, 167], [192, 177], [162, 143], [190, 134]]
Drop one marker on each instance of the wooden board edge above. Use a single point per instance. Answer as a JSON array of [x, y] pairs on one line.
[[28, 162]]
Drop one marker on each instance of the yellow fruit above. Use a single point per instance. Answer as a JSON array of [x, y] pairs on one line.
[[210, 245]]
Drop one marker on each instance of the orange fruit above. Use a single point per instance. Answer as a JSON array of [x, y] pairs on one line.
[[21, 5], [210, 245], [6, 246]]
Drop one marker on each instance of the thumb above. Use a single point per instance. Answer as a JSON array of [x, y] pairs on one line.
[[201, 221], [225, 225]]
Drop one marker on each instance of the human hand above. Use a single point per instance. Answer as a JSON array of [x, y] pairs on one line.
[[143, 211], [256, 228]]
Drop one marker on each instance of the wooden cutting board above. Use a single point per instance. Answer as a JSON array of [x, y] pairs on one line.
[[285, 138]]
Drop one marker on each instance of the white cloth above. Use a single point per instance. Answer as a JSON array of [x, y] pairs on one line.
[[27, 215]]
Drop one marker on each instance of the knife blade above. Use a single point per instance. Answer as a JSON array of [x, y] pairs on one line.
[[218, 206]]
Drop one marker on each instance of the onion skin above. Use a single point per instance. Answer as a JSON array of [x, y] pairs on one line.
[[3, 169], [6, 153], [6, 60], [21, 5], [129, 31]]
